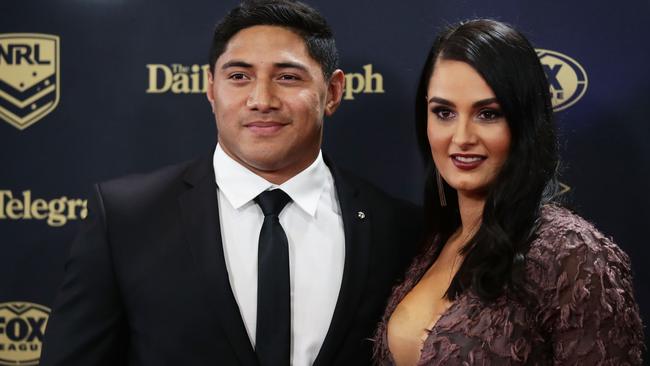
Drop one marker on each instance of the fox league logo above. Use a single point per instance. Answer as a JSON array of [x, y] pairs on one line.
[[22, 325], [566, 77], [29, 77]]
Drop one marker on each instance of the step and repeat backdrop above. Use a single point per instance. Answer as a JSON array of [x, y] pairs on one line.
[[95, 89]]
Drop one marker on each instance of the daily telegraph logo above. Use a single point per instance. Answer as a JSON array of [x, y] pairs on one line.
[[29, 77], [366, 82], [567, 78], [55, 212], [193, 79], [177, 79], [22, 325]]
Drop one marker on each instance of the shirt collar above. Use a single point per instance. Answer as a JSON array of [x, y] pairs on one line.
[[240, 185]]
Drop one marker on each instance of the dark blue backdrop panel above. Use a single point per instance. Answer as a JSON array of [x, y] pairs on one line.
[[106, 124]]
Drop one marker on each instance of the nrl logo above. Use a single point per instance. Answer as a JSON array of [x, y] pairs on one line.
[[29, 77]]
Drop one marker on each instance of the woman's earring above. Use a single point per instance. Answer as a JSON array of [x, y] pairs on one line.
[[441, 190]]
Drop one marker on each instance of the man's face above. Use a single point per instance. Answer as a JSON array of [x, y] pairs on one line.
[[269, 98]]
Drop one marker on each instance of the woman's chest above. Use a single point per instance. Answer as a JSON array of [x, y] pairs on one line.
[[472, 332]]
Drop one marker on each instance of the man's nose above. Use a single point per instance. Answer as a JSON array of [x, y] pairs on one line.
[[262, 97]]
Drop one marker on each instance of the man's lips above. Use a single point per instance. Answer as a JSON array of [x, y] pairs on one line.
[[467, 161], [264, 127]]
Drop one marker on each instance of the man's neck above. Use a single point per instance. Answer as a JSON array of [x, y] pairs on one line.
[[281, 174]]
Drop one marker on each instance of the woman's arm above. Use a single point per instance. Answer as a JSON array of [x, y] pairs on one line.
[[594, 318]]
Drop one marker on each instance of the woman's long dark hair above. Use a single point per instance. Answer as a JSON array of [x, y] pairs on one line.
[[494, 256]]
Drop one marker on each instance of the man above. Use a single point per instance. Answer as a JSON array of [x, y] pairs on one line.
[[191, 265]]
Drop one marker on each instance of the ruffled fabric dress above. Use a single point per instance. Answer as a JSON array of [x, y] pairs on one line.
[[583, 311]]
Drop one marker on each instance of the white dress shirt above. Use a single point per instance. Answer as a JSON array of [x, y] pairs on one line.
[[314, 228]]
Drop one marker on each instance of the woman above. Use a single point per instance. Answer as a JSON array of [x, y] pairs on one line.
[[507, 275]]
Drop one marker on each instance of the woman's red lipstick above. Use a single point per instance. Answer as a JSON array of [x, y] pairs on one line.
[[467, 161]]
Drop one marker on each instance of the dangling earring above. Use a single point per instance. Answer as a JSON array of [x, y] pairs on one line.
[[441, 189]]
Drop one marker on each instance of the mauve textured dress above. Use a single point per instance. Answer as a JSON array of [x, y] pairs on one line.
[[583, 311]]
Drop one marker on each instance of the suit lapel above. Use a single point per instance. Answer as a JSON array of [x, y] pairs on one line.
[[357, 217], [200, 215]]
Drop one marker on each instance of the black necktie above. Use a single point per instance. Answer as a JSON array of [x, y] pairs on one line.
[[273, 334]]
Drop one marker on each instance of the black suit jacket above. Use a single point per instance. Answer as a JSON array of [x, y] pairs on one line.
[[146, 281]]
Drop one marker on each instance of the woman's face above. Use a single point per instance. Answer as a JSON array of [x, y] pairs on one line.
[[468, 134]]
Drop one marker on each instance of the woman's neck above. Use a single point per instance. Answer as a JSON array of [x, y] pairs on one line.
[[471, 212]]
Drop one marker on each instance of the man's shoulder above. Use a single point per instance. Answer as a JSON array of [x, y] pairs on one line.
[[154, 185], [396, 222], [371, 192]]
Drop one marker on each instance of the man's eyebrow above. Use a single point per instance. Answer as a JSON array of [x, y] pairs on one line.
[[236, 63], [279, 65], [290, 65]]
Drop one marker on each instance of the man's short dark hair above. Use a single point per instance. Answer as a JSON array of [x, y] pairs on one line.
[[293, 15]]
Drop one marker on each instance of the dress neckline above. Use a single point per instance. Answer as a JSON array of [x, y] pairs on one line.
[[428, 332]]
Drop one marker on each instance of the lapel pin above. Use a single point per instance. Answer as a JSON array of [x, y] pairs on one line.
[[361, 215]]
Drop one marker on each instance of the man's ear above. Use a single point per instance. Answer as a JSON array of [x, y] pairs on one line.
[[210, 90], [335, 87]]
